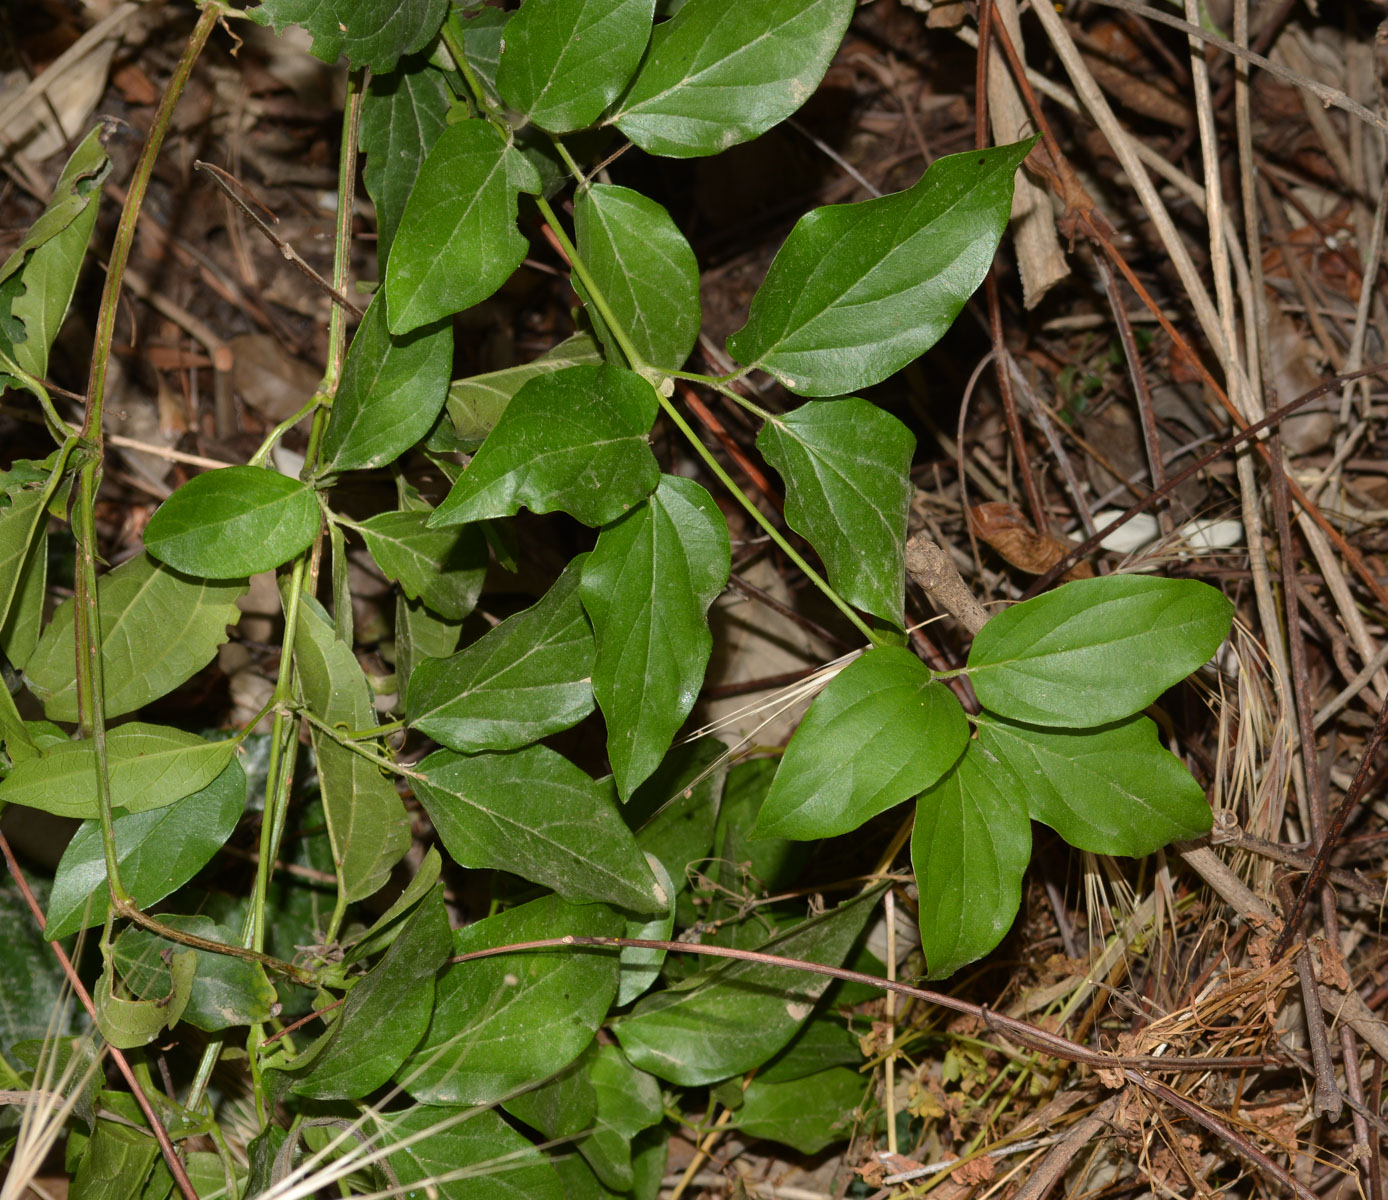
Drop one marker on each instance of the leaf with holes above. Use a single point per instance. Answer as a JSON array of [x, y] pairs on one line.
[[846, 465], [879, 733], [647, 587], [859, 290], [969, 849], [574, 441], [233, 523], [716, 75], [564, 61], [644, 268], [1096, 650]]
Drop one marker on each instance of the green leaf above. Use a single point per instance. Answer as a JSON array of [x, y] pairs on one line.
[[158, 629], [384, 1016], [127, 1024], [644, 267], [21, 629], [535, 814], [226, 991], [391, 392], [387, 927], [641, 965], [502, 1023], [880, 732], [402, 116], [525, 679], [52, 252], [809, 1114], [969, 850], [647, 587], [367, 822], [24, 491], [484, 30], [571, 441], [420, 633], [649, 1153], [1112, 790], [115, 1163], [457, 241], [233, 523], [859, 290], [475, 404], [846, 465], [157, 852], [716, 76], [744, 865], [1096, 650], [443, 568], [564, 61], [628, 1101], [673, 812], [823, 1042], [561, 1106], [150, 766], [371, 33], [38, 999], [462, 1154], [736, 1015]]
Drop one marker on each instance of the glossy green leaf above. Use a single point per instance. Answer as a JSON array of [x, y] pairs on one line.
[[461, 1154], [571, 441], [367, 822], [525, 679], [846, 465], [149, 766], [371, 33], [158, 629], [384, 1016], [387, 927], [824, 1042], [564, 61], [808, 1114], [628, 1101], [715, 76], [484, 31], [402, 116], [859, 290], [475, 404], [1112, 790], [1096, 650], [674, 810], [561, 1106], [392, 389], [647, 587], [535, 814], [157, 851], [443, 568], [233, 523], [127, 1024], [502, 1023], [736, 1015], [969, 849], [225, 991], [49, 257], [457, 241], [879, 733], [644, 267]]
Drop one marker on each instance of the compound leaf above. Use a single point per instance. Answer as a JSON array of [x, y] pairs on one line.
[[969, 849], [647, 587], [859, 290], [879, 733], [717, 75], [846, 465], [233, 523], [1096, 650]]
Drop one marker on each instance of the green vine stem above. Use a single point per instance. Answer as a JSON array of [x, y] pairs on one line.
[[641, 367]]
